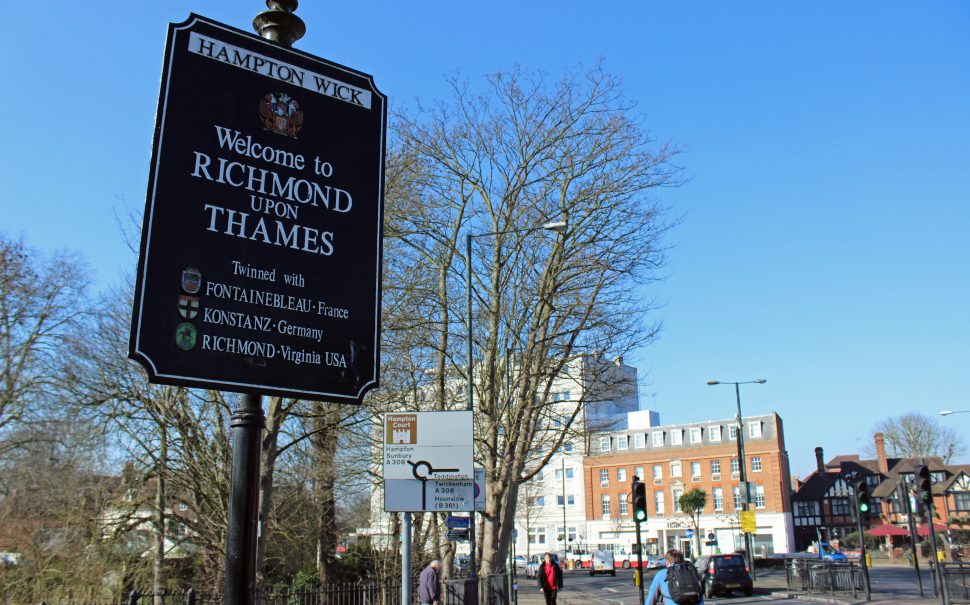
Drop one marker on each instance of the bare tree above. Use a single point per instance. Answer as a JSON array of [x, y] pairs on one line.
[[915, 435], [525, 152], [41, 301]]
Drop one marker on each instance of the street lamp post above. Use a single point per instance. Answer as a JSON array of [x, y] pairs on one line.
[[557, 226], [745, 488], [948, 412]]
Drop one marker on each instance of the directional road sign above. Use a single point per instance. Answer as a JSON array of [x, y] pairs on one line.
[[428, 446]]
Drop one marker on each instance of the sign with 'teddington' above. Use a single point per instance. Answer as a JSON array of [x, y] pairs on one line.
[[260, 261]]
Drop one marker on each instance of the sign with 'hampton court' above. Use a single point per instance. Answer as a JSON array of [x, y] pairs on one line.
[[260, 261]]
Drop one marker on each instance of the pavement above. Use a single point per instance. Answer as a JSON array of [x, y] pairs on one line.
[[769, 584]]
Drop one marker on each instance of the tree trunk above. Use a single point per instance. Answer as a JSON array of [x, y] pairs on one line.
[[267, 468], [325, 447], [158, 560]]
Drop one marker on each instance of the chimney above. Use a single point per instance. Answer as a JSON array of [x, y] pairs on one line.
[[881, 454], [818, 461]]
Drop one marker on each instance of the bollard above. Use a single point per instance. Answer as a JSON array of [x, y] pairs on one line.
[[133, 597], [190, 597]]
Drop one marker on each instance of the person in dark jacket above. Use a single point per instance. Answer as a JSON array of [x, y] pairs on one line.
[[550, 579], [429, 588]]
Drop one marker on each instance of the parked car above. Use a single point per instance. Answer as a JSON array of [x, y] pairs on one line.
[[602, 562], [532, 569], [654, 562], [520, 564], [723, 574]]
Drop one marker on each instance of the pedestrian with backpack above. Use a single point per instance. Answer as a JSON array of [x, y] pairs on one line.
[[678, 583]]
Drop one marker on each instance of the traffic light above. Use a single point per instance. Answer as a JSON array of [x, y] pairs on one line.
[[862, 497], [924, 485], [639, 502]]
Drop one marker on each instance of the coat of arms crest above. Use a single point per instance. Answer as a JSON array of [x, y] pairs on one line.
[[281, 113]]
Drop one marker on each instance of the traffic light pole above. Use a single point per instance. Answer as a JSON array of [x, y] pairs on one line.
[[639, 505], [912, 534], [862, 537], [924, 489]]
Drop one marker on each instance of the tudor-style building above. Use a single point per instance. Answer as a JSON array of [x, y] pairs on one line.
[[824, 505]]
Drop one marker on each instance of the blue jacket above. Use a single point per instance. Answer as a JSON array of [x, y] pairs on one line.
[[658, 589]]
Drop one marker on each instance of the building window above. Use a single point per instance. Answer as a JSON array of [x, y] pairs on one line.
[[658, 503], [732, 432], [759, 496], [567, 447], [676, 437], [605, 505], [537, 535], [735, 468], [623, 506], [569, 473], [695, 435], [604, 475], [808, 508], [840, 506], [570, 500], [754, 429], [714, 433], [961, 501], [539, 475], [716, 468], [621, 474], [604, 444], [755, 464], [638, 471], [676, 493], [658, 438], [718, 495], [675, 469], [622, 442], [537, 501], [738, 498], [560, 501], [639, 441], [570, 533], [695, 470], [559, 474], [658, 472]]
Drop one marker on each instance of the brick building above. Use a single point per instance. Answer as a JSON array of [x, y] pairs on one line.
[[675, 459]]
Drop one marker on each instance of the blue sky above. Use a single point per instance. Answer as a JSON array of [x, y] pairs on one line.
[[825, 229]]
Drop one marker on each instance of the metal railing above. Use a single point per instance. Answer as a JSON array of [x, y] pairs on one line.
[[492, 590], [823, 577], [956, 581]]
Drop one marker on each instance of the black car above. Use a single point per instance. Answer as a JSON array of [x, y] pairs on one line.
[[724, 574]]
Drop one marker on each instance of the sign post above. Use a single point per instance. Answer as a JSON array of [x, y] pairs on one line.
[[260, 259]]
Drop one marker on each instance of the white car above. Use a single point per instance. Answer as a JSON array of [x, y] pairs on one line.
[[602, 562]]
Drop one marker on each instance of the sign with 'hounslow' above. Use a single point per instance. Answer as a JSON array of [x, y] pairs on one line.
[[260, 260]]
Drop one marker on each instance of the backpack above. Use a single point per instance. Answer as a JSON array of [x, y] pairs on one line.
[[684, 584]]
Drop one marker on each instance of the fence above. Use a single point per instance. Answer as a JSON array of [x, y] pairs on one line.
[[492, 590], [956, 582], [814, 576]]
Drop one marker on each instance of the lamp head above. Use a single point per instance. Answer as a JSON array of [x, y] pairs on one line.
[[712, 382], [946, 412], [761, 381], [557, 226]]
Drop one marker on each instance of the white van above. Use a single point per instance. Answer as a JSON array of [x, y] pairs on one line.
[[602, 562]]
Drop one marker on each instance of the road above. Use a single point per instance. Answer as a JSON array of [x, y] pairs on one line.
[[889, 585]]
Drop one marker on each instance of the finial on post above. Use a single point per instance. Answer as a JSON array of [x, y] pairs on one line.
[[279, 24]]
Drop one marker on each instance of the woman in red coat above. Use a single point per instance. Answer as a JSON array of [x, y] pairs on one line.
[[550, 579]]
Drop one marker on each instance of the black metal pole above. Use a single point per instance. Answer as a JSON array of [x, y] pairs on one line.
[[640, 563], [936, 566], [749, 555], [247, 428], [912, 534], [281, 26]]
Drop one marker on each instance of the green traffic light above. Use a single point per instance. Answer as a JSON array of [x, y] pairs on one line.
[[864, 507], [641, 515]]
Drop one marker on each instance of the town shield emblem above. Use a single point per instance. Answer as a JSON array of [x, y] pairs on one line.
[[185, 336], [280, 113], [191, 280], [188, 306]]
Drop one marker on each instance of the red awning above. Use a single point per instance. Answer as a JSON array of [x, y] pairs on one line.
[[924, 530], [888, 530]]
